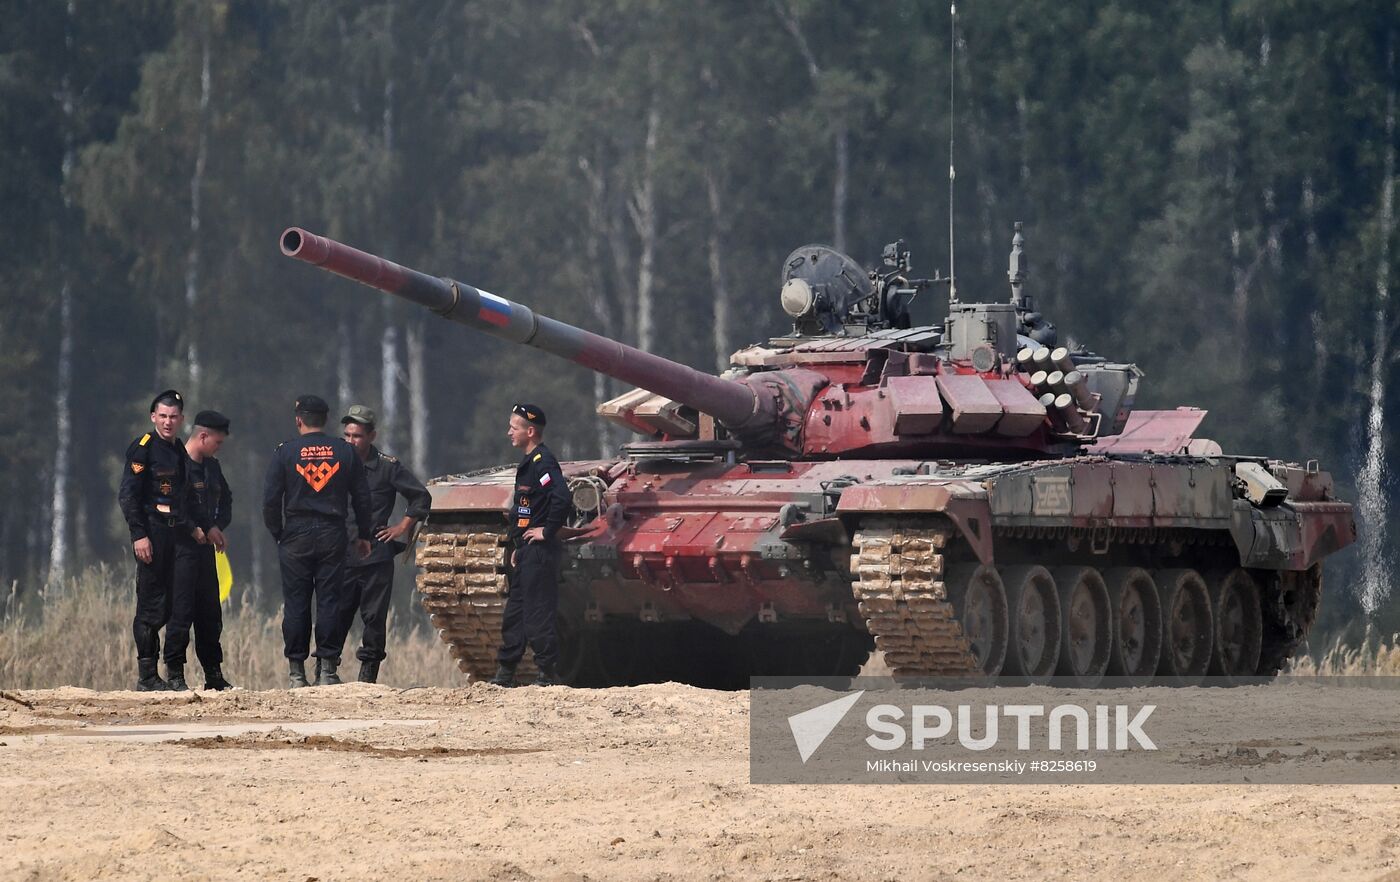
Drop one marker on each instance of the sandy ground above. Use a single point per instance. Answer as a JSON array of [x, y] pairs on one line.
[[369, 782]]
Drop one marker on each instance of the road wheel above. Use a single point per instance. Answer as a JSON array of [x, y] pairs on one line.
[[1034, 624], [1239, 626], [1086, 632], [1187, 629], [979, 601], [1137, 625]]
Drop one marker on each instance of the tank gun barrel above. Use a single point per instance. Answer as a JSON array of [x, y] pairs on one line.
[[733, 404]]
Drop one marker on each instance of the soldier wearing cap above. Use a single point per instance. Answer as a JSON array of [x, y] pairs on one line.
[[160, 506], [369, 580], [541, 506], [312, 483], [195, 601]]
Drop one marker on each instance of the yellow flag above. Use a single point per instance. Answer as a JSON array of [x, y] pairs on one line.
[[225, 575]]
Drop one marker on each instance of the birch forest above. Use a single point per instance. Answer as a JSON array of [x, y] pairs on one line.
[[1207, 190]]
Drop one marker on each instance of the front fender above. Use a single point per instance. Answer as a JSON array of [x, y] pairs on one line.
[[962, 503]]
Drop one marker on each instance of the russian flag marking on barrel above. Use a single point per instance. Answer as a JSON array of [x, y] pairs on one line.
[[495, 310]]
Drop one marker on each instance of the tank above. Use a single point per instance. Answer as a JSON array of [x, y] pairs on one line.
[[972, 499]]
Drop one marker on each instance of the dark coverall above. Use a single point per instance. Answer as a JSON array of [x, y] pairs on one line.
[[541, 500], [196, 596], [311, 484], [158, 502], [369, 582]]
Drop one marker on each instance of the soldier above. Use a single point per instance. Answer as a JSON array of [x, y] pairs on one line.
[[369, 581], [159, 504], [309, 483], [541, 505], [196, 596]]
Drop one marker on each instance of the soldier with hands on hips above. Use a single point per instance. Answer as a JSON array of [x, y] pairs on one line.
[[369, 581], [542, 504]]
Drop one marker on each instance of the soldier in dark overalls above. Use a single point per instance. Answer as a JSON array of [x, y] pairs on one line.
[[542, 504], [369, 581], [196, 598], [312, 482], [160, 507]]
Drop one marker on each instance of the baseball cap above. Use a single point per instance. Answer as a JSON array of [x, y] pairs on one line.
[[358, 413]]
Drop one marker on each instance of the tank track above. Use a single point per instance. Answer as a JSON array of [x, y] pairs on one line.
[[897, 574], [462, 577]]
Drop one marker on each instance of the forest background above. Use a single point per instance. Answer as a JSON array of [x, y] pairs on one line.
[[1207, 189]]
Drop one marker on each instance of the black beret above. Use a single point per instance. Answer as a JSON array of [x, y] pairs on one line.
[[212, 419], [311, 404], [529, 413], [168, 397]]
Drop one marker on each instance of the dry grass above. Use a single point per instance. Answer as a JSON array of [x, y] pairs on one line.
[[1376, 656], [81, 636]]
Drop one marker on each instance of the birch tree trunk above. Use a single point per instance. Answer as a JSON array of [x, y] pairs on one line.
[[345, 360], [719, 282], [201, 160], [1371, 482], [417, 397], [390, 371], [63, 396], [643, 211], [391, 365]]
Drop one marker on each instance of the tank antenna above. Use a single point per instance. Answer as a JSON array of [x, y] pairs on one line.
[[952, 174]]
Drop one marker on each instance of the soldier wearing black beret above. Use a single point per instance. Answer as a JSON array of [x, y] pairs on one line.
[[195, 601], [161, 508], [541, 506], [312, 483]]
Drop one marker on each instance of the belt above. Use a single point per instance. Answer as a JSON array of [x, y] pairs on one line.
[[163, 520], [315, 519]]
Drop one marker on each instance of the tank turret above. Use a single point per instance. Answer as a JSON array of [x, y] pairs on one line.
[[853, 378]]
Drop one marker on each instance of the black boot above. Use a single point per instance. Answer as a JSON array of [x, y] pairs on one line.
[[505, 675], [325, 672], [296, 673], [214, 679], [175, 678], [369, 672], [150, 680], [548, 676]]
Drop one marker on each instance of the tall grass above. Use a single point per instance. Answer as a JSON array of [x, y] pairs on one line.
[[81, 636], [1374, 656]]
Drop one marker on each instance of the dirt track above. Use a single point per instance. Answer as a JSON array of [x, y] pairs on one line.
[[642, 783]]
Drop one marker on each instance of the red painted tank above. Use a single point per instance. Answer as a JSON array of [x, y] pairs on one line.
[[970, 499]]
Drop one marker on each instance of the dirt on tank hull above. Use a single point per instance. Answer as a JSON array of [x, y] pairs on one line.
[[968, 498], [1140, 567]]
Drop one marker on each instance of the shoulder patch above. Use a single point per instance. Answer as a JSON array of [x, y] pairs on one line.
[[144, 438], [387, 457], [137, 468], [537, 457]]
